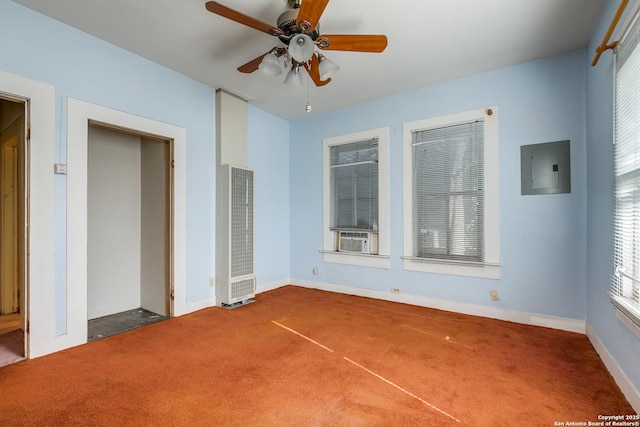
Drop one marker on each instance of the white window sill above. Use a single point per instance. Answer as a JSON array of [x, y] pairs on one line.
[[624, 318], [483, 271], [362, 260]]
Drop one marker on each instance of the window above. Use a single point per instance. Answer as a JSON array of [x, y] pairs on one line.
[[354, 186], [356, 194], [450, 183], [447, 192], [625, 283]]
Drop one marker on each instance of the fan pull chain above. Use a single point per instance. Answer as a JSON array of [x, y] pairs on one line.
[[308, 106]]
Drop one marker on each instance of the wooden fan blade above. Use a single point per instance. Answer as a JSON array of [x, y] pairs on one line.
[[354, 43], [314, 73], [252, 66], [310, 13], [224, 11]]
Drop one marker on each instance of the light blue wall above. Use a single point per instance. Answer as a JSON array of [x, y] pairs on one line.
[[268, 156], [543, 240], [547, 265], [621, 344], [83, 67]]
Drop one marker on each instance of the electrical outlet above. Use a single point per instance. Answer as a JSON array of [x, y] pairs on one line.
[[212, 282], [315, 271], [395, 290], [494, 295]]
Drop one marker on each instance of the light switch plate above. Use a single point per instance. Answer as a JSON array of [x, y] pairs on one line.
[[60, 169]]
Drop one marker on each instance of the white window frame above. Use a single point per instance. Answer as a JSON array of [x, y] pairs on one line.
[[626, 306], [381, 260], [490, 268]]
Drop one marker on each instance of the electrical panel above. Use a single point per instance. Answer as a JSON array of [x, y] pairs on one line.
[[545, 168]]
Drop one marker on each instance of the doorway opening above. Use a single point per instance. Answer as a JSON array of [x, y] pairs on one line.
[[13, 119], [129, 222]]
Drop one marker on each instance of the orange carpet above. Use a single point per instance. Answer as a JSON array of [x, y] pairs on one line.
[[301, 357]]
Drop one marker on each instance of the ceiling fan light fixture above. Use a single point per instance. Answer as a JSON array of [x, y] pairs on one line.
[[294, 77], [301, 47], [327, 68], [298, 29], [270, 66]]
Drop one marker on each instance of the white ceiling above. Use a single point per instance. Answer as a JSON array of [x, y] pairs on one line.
[[430, 41]]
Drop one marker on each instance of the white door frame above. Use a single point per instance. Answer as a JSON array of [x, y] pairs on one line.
[[79, 114], [39, 298]]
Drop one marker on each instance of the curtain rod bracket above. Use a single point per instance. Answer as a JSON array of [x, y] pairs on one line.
[[605, 45]]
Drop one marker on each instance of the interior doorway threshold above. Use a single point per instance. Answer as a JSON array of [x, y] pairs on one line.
[[113, 324], [11, 347]]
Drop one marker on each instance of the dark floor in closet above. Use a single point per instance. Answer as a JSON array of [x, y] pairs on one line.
[[112, 324]]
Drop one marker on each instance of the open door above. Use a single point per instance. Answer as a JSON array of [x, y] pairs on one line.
[[9, 266], [12, 230]]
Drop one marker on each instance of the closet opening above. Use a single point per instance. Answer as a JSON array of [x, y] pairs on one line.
[[129, 229]]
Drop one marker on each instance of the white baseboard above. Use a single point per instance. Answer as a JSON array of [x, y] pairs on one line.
[[627, 387], [190, 307], [561, 323], [264, 287]]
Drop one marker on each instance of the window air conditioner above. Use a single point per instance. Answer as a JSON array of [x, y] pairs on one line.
[[357, 242]]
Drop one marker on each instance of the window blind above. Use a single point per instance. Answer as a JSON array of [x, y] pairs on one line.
[[625, 281], [448, 198], [354, 185]]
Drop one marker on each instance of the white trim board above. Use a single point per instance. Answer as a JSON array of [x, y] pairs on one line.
[[628, 389], [79, 113], [41, 271], [260, 288], [264, 287], [211, 302], [199, 305], [560, 323]]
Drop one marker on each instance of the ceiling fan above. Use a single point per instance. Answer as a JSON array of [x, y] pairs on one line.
[[298, 30]]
